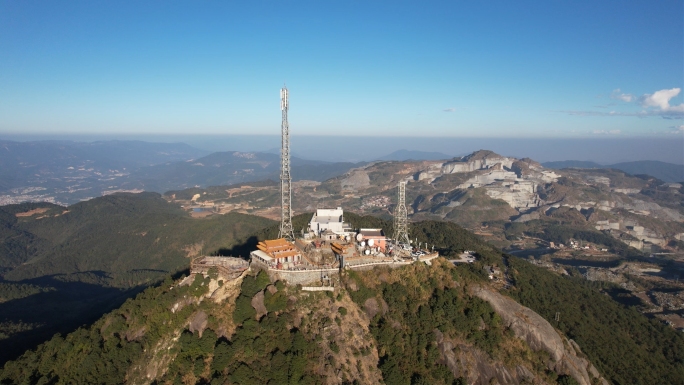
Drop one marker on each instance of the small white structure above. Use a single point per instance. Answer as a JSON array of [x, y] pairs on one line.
[[328, 219]]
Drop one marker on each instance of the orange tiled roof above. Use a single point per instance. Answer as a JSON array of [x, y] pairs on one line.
[[278, 248]]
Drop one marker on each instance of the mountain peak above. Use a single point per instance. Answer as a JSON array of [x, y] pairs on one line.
[[480, 155]]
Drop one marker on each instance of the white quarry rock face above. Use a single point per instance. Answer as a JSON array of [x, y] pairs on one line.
[[456, 167], [429, 175], [642, 207], [477, 164], [599, 179], [521, 196], [489, 178], [627, 191], [549, 176], [607, 225], [605, 205]]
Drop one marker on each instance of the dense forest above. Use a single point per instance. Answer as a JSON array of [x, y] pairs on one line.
[[268, 348], [120, 240], [260, 332], [62, 267], [626, 347]]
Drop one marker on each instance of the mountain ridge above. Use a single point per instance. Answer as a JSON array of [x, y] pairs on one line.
[[668, 172]]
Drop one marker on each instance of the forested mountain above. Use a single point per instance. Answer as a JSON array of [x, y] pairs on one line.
[[417, 324], [63, 267]]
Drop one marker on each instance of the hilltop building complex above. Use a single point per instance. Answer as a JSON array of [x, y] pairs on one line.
[[329, 244], [329, 223]]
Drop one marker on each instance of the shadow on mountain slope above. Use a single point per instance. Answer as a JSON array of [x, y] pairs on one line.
[[69, 306]]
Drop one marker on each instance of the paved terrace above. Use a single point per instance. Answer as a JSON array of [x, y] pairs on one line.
[[227, 267]]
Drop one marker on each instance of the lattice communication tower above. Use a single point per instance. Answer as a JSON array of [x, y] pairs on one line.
[[286, 230], [401, 217]]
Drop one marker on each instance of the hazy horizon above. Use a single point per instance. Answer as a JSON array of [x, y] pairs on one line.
[[366, 148]]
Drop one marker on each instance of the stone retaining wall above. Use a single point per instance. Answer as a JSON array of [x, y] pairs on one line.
[[318, 288], [302, 277]]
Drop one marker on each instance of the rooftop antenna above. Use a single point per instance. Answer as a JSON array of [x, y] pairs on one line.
[[401, 217], [286, 229]]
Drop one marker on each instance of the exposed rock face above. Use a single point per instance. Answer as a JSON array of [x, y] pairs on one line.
[[357, 179], [513, 181], [540, 335], [258, 305], [521, 196], [490, 177], [135, 334], [653, 208], [475, 365], [198, 322], [372, 307], [476, 161]]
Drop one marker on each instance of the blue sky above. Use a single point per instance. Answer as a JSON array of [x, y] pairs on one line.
[[453, 68]]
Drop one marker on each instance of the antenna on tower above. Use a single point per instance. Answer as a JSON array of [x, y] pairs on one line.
[[401, 217], [286, 229]]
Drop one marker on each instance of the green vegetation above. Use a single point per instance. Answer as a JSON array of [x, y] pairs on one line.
[[623, 344], [10, 291], [420, 302], [267, 351], [103, 352], [130, 239], [65, 267], [193, 341]]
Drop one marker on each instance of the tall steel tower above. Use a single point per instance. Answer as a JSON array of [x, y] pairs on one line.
[[401, 217], [286, 230]]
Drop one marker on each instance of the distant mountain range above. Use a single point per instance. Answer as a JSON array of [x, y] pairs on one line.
[[225, 168], [67, 172], [667, 172], [70, 171]]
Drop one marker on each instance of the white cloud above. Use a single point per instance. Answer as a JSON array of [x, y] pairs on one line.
[[449, 109], [655, 104], [617, 94], [661, 100]]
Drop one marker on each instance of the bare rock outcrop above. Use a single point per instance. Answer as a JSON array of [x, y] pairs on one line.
[[373, 307], [258, 305], [198, 322], [357, 179], [475, 365], [540, 335]]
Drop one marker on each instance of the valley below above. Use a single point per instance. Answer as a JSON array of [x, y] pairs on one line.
[[575, 247]]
